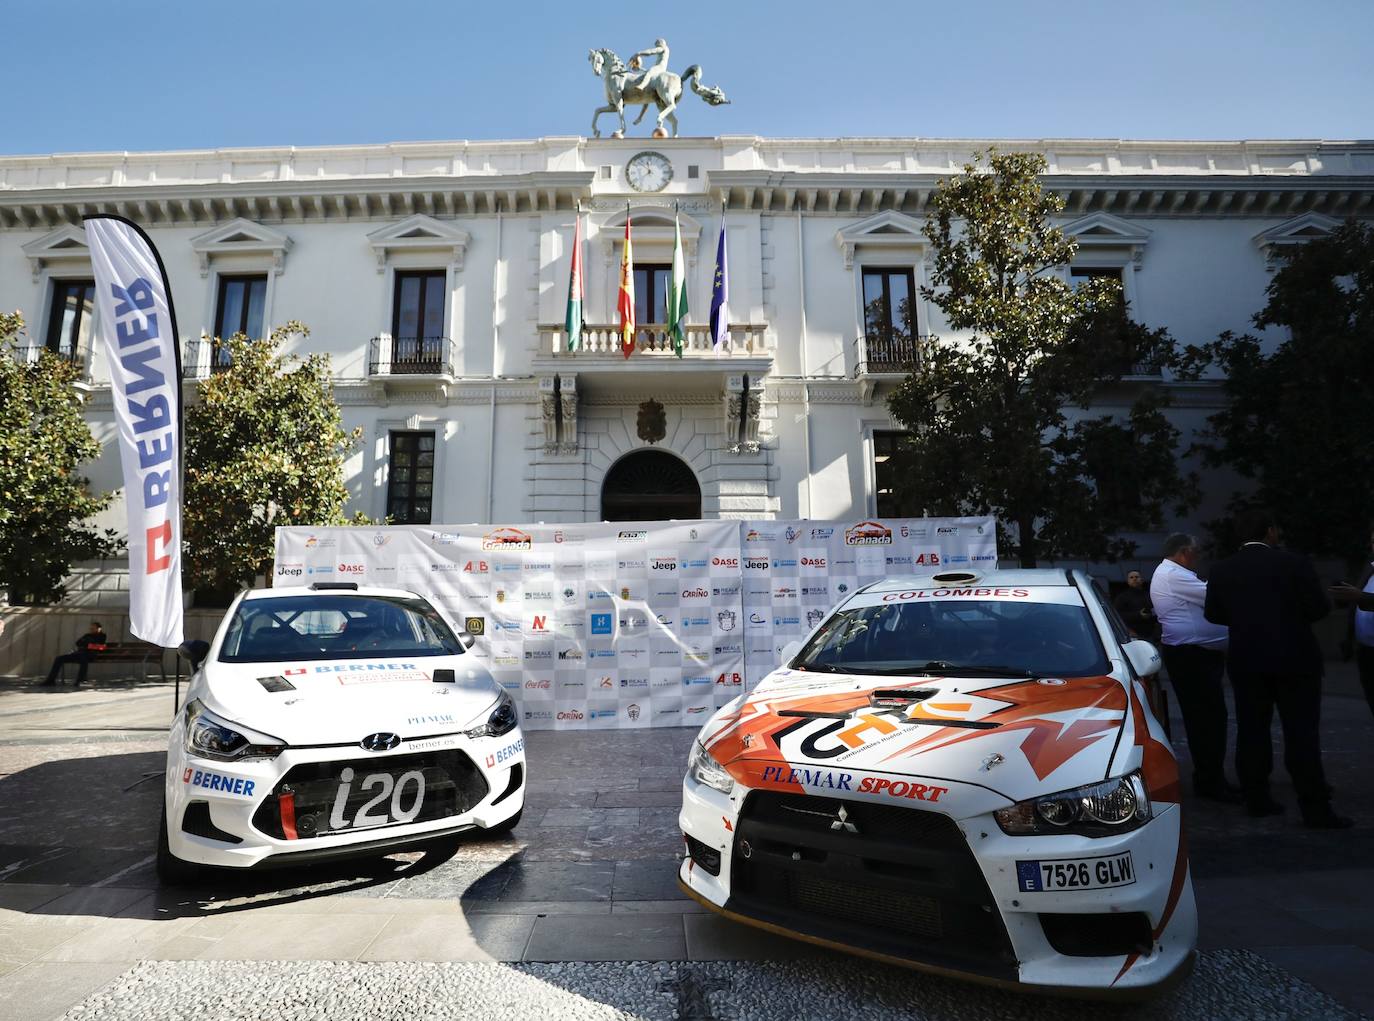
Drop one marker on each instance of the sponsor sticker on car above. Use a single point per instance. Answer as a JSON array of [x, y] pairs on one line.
[[1058, 874]]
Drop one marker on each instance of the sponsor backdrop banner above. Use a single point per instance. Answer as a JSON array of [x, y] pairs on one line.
[[595, 626]]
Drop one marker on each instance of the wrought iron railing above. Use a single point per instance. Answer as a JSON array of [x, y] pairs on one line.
[[896, 354], [409, 356], [603, 339], [29, 354], [200, 358]]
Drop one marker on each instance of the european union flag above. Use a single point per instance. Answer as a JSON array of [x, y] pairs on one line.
[[720, 295]]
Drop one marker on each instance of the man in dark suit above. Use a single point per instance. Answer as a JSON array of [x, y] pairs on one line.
[[88, 646], [1270, 598]]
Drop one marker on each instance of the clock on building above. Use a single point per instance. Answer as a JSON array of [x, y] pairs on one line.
[[648, 171]]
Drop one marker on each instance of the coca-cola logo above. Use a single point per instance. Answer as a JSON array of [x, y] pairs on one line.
[[540, 685]]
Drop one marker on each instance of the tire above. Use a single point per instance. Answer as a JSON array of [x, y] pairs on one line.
[[502, 828], [171, 870]]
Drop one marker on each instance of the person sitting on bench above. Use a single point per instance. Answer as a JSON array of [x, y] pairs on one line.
[[88, 646]]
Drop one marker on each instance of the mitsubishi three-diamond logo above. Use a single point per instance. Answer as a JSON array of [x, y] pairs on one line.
[[842, 821]]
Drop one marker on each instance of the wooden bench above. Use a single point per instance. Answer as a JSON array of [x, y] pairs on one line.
[[126, 652]]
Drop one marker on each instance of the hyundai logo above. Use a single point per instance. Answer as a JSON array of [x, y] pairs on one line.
[[380, 742]]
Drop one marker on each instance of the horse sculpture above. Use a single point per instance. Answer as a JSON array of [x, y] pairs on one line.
[[625, 87]]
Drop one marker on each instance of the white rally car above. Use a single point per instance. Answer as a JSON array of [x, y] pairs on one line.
[[334, 721], [959, 772]]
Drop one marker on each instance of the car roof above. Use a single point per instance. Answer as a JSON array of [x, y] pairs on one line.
[[282, 591], [960, 577]]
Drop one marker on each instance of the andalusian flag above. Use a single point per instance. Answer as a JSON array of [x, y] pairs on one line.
[[573, 320], [677, 293], [625, 304]]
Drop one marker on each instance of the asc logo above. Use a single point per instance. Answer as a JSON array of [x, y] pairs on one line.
[[354, 569]]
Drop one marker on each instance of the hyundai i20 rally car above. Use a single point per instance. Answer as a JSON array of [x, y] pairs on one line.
[[959, 772], [333, 721]]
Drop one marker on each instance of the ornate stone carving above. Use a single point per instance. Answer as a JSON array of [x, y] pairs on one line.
[[657, 86], [743, 404], [652, 422], [558, 412], [567, 442]]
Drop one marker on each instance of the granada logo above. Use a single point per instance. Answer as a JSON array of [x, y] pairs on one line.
[[507, 538], [868, 533]]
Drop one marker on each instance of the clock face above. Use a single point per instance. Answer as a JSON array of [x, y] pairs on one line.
[[649, 171]]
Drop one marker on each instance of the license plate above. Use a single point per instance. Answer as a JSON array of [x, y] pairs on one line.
[[1076, 873]]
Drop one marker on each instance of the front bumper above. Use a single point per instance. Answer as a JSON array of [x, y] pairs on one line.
[[278, 812], [942, 894]]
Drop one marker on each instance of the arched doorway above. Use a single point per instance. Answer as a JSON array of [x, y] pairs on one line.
[[650, 485]]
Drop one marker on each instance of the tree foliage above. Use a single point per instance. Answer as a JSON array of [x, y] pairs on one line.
[[988, 429], [265, 446], [1300, 420], [45, 502]]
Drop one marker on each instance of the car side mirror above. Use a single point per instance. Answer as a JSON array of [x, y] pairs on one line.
[[194, 650], [467, 638], [1143, 656], [789, 651]]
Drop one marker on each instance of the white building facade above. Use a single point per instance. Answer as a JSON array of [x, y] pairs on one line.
[[435, 276]]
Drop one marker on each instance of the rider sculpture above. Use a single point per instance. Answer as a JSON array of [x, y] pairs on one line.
[[628, 86]]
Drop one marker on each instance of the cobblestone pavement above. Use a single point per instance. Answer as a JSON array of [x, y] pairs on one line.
[[543, 922]]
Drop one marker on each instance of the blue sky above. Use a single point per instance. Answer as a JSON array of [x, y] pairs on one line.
[[81, 75]]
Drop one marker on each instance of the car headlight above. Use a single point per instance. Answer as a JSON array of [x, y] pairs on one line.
[[1097, 810], [704, 769], [210, 737], [501, 721]]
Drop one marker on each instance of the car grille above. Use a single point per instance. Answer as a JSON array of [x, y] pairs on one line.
[[904, 884], [453, 785]]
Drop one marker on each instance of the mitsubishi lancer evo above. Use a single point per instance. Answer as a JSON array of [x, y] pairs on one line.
[[959, 772]]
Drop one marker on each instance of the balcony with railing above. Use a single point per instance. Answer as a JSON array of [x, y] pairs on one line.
[[893, 355], [601, 342], [200, 358], [410, 356], [29, 354]]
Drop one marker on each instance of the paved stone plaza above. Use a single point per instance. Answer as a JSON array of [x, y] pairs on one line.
[[542, 924]]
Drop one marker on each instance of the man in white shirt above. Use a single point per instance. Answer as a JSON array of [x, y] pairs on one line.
[[1194, 653]]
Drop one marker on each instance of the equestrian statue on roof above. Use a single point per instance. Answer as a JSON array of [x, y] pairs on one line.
[[636, 86]]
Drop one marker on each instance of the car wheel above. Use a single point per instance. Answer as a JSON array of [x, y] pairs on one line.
[[505, 827], [171, 869]]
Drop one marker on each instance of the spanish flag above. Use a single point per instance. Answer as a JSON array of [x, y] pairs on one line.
[[625, 303]]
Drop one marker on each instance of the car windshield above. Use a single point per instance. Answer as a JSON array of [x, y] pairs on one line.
[[969, 636], [335, 627]]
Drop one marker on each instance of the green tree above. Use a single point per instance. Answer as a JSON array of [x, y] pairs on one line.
[[988, 429], [1299, 420], [265, 446], [44, 500]]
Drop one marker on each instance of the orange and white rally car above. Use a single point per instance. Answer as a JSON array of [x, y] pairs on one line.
[[959, 772]]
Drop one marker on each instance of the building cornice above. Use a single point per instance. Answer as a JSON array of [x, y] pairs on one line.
[[863, 194], [283, 201]]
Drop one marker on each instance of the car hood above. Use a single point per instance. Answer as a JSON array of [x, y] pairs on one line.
[[1013, 736], [342, 701]]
